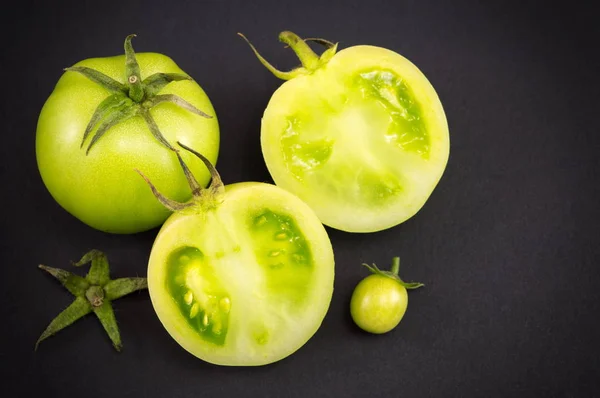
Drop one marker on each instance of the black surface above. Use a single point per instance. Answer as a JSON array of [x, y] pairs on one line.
[[507, 244]]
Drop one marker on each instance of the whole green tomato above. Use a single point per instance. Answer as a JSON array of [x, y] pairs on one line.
[[360, 135], [242, 274], [109, 116], [379, 301]]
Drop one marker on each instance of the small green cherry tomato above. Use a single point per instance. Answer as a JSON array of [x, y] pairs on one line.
[[379, 301], [360, 132], [242, 274], [109, 116]]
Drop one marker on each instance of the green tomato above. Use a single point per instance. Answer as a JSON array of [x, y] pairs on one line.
[[379, 301], [242, 274], [361, 132], [109, 116]]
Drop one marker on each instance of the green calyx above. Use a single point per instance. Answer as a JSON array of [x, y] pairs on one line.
[[393, 273], [309, 59], [93, 293], [203, 199], [133, 98]]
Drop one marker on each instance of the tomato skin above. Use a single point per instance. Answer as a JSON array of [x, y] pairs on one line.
[[102, 188], [378, 304], [268, 317]]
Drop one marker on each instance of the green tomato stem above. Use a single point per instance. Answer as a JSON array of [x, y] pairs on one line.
[[395, 265], [393, 274], [305, 54], [95, 295], [309, 59]]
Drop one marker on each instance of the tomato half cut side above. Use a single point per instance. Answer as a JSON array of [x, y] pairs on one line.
[[359, 135], [246, 282]]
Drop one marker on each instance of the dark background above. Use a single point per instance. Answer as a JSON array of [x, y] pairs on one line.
[[507, 245]]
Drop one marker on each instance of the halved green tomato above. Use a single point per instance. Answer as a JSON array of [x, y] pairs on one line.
[[361, 135], [242, 275]]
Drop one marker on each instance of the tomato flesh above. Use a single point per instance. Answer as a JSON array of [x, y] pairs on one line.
[[363, 140], [247, 283]]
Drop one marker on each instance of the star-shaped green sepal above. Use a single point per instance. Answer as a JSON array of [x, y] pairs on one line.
[[93, 293], [134, 98]]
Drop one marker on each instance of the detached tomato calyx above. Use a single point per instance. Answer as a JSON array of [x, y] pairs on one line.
[[93, 293], [309, 59], [203, 199], [134, 98], [393, 274]]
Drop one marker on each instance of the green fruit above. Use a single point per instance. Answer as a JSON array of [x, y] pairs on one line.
[[242, 274], [379, 301], [97, 127], [359, 135]]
